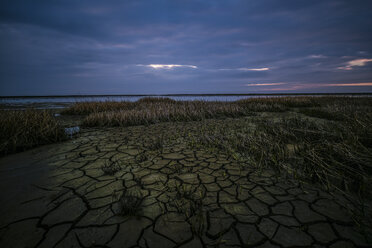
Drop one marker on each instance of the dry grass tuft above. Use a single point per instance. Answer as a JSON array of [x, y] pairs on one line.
[[110, 168], [129, 203], [21, 130], [336, 154], [154, 112]]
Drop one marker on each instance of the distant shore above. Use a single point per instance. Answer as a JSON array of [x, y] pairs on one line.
[[157, 95]]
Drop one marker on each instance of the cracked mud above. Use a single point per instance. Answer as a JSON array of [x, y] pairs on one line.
[[119, 188]]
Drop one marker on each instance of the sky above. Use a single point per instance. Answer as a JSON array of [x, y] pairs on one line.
[[64, 47]]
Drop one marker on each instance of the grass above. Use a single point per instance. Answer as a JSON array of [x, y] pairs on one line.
[[142, 157], [130, 203], [84, 108], [21, 130], [335, 154], [150, 110], [110, 168], [278, 104], [187, 200], [145, 113]]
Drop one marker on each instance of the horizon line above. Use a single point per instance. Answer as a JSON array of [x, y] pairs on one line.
[[207, 94]]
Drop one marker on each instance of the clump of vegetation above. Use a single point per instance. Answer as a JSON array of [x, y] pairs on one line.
[[21, 130], [156, 100], [335, 153], [321, 113], [110, 168], [279, 104], [151, 113], [84, 108], [151, 110], [142, 157], [189, 202], [129, 203]]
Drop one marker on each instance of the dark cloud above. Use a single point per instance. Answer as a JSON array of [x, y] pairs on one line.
[[95, 47]]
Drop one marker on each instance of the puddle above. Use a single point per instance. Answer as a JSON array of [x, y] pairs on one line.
[[70, 131]]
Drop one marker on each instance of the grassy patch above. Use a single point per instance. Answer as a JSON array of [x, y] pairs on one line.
[[156, 100], [279, 104], [110, 168], [335, 154], [321, 113], [129, 203], [151, 110], [21, 130], [155, 112], [84, 108]]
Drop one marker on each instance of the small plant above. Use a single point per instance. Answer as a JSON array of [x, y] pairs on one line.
[[187, 199], [130, 202], [110, 168], [142, 157], [198, 222]]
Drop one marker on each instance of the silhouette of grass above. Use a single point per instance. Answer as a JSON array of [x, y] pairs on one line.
[[21, 130]]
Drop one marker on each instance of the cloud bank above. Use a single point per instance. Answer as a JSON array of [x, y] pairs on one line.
[[194, 46]]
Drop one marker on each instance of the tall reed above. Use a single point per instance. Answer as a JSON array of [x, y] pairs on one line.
[[21, 130]]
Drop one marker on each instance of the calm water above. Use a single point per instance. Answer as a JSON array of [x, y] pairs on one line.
[[61, 102]]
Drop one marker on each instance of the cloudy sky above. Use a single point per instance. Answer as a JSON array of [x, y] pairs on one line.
[[184, 46]]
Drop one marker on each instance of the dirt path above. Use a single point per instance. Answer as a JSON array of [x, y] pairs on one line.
[[163, 195]]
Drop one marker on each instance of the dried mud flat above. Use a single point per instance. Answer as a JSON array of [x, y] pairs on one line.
[[119, 188]]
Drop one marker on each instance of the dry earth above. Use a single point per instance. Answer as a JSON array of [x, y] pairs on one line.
[[120, 188]]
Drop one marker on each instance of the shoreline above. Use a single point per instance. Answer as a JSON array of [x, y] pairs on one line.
[[167, 95]]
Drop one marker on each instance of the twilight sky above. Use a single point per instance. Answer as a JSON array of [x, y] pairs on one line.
[[184, 46]]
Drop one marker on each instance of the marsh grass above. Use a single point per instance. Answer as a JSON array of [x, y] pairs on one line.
[[276, 104], [21, 130], [155, 112], [129, 203], [335, 154], [156, 100], [84, 108], [110, 168], [188, 201], [321, 113], [150, 110], [142, 157], [332, 149]]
